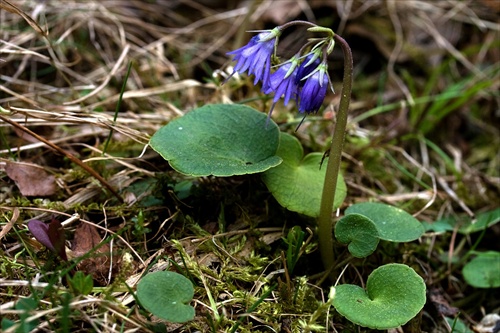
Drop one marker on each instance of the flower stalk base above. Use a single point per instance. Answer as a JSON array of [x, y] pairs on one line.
[[325, 225]]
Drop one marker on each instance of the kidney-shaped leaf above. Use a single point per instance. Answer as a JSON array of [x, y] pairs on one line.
[[394, 294], [359, 232], [484, 270], [465, 222], [393, 224], [166, 295], [219, 140], [297, 183]]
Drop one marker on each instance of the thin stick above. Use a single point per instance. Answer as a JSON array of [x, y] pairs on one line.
[[73, 159]]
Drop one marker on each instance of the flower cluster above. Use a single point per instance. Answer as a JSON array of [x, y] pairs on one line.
[[303, 78]]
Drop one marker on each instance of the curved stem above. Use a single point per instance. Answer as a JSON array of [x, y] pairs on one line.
[[296, 22], [333, 167]]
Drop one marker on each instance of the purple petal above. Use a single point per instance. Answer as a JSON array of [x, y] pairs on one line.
[[40, 231], [255, 57], [313, 92], [305, 69]]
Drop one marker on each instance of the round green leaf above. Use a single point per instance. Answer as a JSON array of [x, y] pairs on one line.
[[484, 270], [394, 294], [483, 220], [466, 224], [167, 296], [297, 184], [393, 224], [219, 140], [359, 232]]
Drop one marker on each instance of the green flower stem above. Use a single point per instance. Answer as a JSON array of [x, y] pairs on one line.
[[333, 167], [297, 22]]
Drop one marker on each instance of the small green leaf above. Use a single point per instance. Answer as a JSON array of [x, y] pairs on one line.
[[457, 325], [166, 295], [26, 306], [294, 241], [7, 323], [483, 220], [393, 224], [439, 226], [297, 183], [219, 140], [394, 294], [484, 270], [81, 284], [359, 232], [467, 225]]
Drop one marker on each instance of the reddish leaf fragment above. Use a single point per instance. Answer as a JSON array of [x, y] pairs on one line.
[[58, 238], [87, 238], [51, 235], [31, 179], [40, 231]]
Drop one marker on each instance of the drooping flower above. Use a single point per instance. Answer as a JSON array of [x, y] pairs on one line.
[[283, 81], [255, 57], [314, 90], [310, 63]]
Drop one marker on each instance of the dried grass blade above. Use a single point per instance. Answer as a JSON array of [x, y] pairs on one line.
[[73, 159], [4, 4]]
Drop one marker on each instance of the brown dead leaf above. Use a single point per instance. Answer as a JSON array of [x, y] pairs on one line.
[[31, 179], [97, 265], [57, 237], [443, 307]]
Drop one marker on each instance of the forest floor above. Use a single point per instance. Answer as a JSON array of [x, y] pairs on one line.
[[85, 84]]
